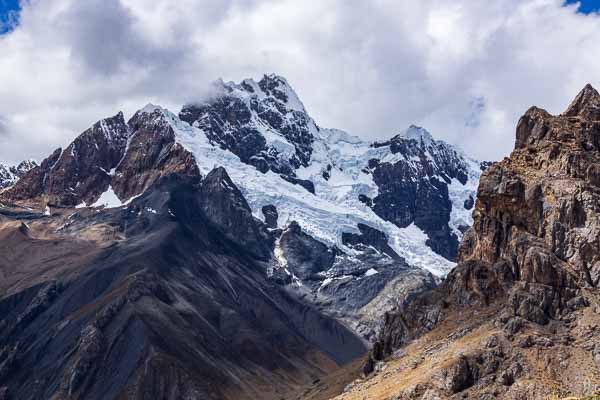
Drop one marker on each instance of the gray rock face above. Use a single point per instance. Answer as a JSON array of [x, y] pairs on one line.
[[370, 237], [356, 288], [305, 257], [224, 205]]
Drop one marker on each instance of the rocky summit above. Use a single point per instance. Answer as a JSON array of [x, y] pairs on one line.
[[518, 318]]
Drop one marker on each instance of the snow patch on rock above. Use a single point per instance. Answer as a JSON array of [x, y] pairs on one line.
[[108, 199]]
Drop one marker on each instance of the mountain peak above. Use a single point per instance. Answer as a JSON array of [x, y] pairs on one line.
[[278, 87], [150, 108], [588, 99], [272, 86], [417, 133]]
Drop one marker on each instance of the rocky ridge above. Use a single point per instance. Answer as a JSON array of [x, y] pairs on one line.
[[412, 181], [123, 157], [515, 319]]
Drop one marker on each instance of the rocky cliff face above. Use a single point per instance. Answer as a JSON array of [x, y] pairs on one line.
[[526, 279], [151, 152], [225, 206]]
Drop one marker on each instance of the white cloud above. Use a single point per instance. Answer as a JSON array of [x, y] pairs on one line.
[[464, 69]]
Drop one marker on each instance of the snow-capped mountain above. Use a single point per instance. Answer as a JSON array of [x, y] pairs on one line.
[[351, 220], [234, 237], [10, 174], [415, 189], [264, 123]]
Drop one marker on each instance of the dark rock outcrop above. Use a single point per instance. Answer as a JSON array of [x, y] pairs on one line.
[[224, 205], [271, 216], [305, 257], [469, 203], [305, 183], [370, 237]]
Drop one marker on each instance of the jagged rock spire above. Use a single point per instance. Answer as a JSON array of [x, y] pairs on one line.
[[534, 125], [588, 100]]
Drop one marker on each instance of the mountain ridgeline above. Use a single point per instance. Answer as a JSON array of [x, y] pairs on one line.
[[235, 250], [410, 179]]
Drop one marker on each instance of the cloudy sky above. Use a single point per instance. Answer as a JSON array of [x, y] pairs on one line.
[[466, 69]]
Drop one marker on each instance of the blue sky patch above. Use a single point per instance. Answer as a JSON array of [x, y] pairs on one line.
[[586, 6], [9, 15]]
